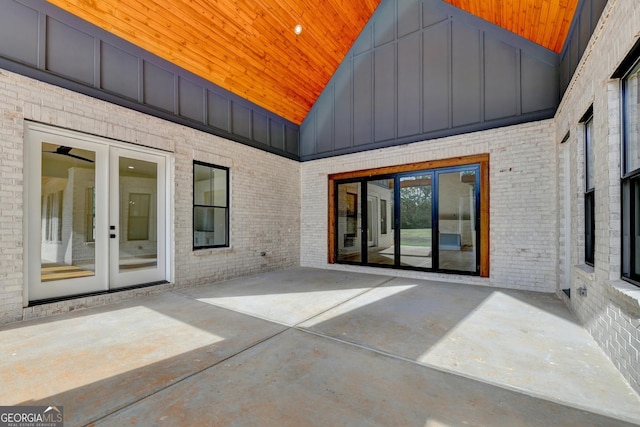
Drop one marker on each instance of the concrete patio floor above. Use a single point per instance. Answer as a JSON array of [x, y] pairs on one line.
[[318, 347]]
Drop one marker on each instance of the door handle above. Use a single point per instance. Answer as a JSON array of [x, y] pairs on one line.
[[112, 235]]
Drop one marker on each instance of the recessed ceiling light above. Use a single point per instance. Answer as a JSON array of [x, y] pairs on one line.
[[130, 167], [297, 29]]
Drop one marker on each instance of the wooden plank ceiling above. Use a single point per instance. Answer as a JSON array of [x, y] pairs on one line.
[[545, 22], [249, 46], [245, 46]]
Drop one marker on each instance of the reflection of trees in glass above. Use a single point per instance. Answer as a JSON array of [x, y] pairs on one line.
[[415, 202]]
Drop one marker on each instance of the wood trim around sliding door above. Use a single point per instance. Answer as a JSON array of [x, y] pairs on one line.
[[480, 159]]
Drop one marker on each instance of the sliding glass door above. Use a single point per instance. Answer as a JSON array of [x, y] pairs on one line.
[[421, 220], [349, 222], [457, 215], [416, 222], [380, 244]]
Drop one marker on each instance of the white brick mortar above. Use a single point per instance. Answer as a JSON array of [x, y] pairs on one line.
[[265, 192], [522, 201], [611, 309]]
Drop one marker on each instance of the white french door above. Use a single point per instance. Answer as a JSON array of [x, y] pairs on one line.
[[96, 214], [137, 241]]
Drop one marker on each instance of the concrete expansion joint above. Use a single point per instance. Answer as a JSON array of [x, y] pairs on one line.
[[317, 333], [186, 377], [445, 370], [248, 348], [384, 282]]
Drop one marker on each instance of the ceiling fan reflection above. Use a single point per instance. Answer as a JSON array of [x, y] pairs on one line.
[[66, 151]]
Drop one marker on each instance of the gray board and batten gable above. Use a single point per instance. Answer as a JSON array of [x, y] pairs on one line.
[[44, 42], [584, 24], [422, 70]]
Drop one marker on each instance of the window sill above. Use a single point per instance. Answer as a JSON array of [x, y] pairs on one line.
[[587, 272], [626, 295], [209, 251]]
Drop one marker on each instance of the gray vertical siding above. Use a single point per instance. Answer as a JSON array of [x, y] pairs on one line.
[[41, 41], [423, 69], [420, 69], [584, 23], [408, 98]]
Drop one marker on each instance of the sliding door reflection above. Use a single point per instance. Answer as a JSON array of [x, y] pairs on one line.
[[380, 248], [415, 221], [457, 220], [349, 221]]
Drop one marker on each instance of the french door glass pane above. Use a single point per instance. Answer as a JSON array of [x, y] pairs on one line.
[[68, 178], [456, 220], [138, 183], [349, 220], [415, 220], [380, 241]]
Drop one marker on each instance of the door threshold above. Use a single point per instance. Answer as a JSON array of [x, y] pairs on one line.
[[92, 294]]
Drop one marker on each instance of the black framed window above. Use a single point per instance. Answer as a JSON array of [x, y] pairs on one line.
[[589, 199], [210, 206], [631, 173]]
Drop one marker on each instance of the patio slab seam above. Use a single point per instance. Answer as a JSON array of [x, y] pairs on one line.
[[516, 389], [289, 325], [269, 337], [186, 377], [384, 282]]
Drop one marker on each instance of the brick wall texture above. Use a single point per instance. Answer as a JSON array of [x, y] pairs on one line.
[[279, 206], [265, 192], [611, 308], [536, 197], [522, 183]]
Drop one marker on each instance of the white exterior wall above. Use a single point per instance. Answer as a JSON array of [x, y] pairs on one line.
[[280, 207], [265, 192], [523, 215], [611, 308]]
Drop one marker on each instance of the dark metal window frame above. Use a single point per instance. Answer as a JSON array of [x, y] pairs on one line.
[[589, 193], [589, 227], [630, 184], [227, 207], [630, 179]]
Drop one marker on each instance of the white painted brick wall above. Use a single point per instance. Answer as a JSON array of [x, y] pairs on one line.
[[265, 192], [611, 309], [523, 213], [280, 207]]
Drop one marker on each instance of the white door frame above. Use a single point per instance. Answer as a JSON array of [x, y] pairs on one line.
[[35, 134]]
